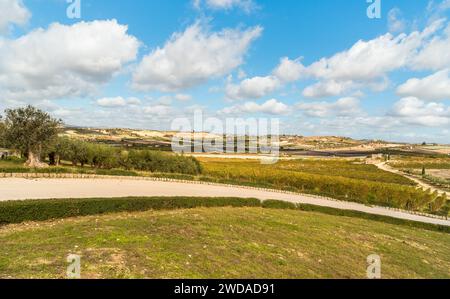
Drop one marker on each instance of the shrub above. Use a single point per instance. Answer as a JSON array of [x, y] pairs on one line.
[[40, 210], [276, 204]]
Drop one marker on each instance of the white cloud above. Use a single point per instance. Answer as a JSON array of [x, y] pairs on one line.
[[183, 97], [64, 61], [158, 110], [414, 111], [343, 107], [289, 70], [435, 10], [395, 22], [246, 5], [193, 57], [117, 102], [272, 106], [435, 54], [164, 100], [133, 101], [327, 88], [367, 63], [12, 12], [253, 88], [257, 87], [434, 87]]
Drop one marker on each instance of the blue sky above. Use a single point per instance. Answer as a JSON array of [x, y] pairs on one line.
[[322, 67]]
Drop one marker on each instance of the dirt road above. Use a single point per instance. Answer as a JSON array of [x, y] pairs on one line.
[[423, 185], [20, 189]]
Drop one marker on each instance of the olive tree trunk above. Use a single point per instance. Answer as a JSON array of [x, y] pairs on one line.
[[34, 161]]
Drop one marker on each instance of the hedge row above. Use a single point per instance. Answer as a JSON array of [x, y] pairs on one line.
[[41, 210]]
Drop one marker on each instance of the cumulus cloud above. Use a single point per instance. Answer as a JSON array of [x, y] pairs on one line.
[[272, 106], [257, 87], [117, 102], [347, 106], [414, 111], [367, 63], [253, 88], [364, 65], [64, 61], [12, 12], [368, 60], [435, 54], [432, 88], [193, 57], [289, 70]]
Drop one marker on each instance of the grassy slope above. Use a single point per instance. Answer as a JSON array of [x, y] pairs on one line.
[[222, 242]]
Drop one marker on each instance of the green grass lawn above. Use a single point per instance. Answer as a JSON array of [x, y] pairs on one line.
[[221, 242]]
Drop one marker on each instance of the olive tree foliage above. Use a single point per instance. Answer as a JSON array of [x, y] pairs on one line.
[[101, 156], [30, 131], [2, 133]]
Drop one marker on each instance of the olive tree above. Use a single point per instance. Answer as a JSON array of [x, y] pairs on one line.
[[2, 132], [30, 131]]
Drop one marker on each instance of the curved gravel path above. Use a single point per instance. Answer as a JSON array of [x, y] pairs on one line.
[[384, 166], [21, 189]]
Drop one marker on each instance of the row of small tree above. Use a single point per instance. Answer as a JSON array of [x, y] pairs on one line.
[[82, 153], [34, 133]]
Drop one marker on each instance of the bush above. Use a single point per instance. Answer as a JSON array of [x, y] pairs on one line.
[[276, 204], [40, 210], [362, 215], [162, 162]]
